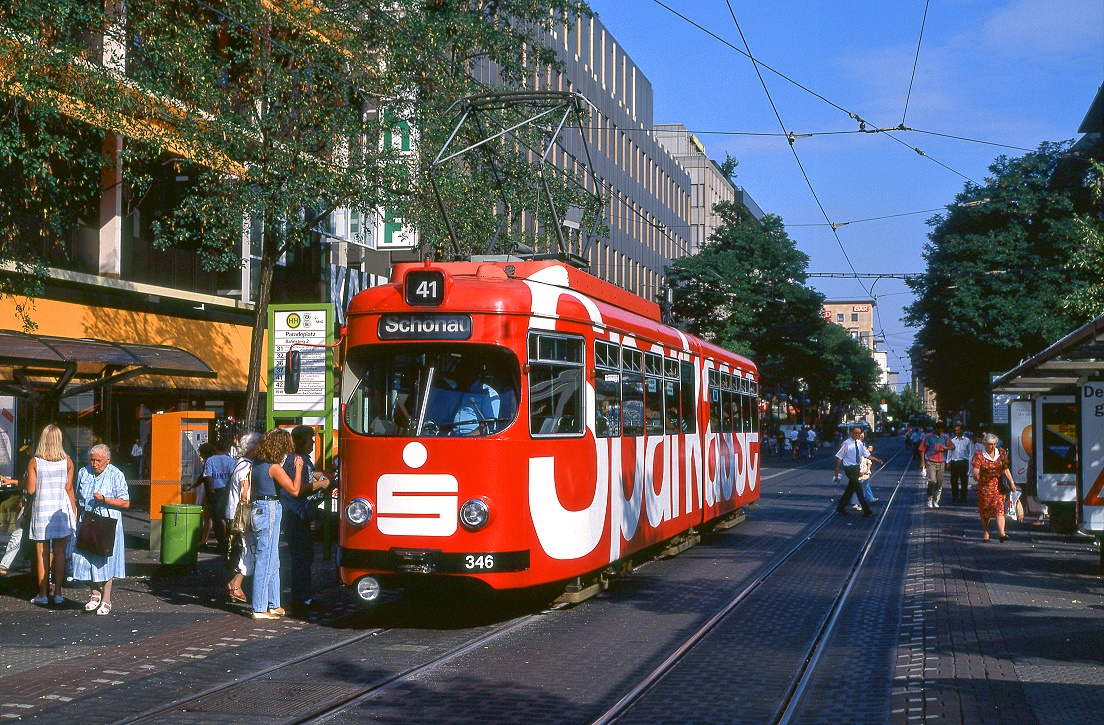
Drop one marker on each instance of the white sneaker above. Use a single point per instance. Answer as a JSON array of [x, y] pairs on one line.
[[936, 504], [930, 503], [872, 500], [856, 507]]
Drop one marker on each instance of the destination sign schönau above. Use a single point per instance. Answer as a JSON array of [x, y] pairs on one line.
[[425, 327]]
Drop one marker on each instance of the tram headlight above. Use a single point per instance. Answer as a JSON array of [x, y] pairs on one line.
[[359, 512], [474, 514], [367, 588]]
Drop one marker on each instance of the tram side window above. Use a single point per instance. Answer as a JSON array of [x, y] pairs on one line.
[[689, 399], [555, 385], [653, 394], [714, 401], [632, 392], [726, 403], [607, 389]]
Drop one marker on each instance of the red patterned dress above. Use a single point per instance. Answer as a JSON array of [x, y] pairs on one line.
[[990, 496]]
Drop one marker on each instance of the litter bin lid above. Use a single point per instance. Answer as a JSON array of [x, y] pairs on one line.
[[181, 508]]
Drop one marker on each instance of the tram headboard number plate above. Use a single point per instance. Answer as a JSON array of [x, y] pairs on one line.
[[425, 287], [425, 327]]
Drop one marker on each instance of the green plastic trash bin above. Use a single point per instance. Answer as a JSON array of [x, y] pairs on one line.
[[181, 525]]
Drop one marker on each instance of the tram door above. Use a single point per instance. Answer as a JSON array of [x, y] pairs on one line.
[[1056, 459]]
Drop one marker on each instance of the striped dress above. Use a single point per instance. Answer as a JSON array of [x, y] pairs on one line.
[[52, 516]]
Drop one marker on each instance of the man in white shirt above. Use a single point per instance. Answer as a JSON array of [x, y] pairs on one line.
[[792, 437], [958, 463], [850, 456]]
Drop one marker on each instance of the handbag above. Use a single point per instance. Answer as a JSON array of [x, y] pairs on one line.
[[240, 523], [96, 534]]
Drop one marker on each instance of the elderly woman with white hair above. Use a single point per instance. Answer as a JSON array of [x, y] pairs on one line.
[[101, 487], [239, 494], [990, 464]]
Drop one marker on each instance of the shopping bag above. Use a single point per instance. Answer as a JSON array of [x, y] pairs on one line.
[[1013, 509], [96, 534]]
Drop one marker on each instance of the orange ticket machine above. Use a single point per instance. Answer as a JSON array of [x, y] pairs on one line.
[[175, 439]]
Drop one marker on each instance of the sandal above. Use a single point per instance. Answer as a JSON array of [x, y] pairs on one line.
[[104, 610], [93, 603], [236, 595]]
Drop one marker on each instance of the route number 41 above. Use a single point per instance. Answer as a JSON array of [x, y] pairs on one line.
[[479, 562], [425, 287]]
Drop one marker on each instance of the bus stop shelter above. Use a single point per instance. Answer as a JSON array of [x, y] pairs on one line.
[[45, 369], [1064, 385]]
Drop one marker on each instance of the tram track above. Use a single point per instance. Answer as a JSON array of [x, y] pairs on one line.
[[793, 692], [356, 695]]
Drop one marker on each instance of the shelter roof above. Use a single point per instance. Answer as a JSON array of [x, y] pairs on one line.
[[1065, 364]]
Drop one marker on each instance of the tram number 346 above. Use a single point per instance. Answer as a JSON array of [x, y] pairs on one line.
[[479, 562]]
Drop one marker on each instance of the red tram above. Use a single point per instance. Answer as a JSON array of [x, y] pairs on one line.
[[527, 423]]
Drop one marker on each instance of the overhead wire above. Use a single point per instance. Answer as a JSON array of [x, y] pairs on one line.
[[915, 61], [869, 219], [862, 122], [808, 182]]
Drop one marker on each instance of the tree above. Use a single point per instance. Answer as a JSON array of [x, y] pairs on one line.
[[279, 112], [1010, 269], [745, 290]]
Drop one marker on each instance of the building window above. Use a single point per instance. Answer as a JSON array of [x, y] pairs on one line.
[[839, 317], [854, 316]]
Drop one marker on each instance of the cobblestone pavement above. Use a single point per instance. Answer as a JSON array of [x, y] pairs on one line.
[[939, 628]]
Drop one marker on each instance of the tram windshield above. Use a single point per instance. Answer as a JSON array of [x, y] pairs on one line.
[[428, 390]]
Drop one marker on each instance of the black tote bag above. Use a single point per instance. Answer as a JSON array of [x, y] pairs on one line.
[[96, 534]]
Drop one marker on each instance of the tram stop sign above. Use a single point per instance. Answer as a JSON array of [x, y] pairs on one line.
[[307, 331]]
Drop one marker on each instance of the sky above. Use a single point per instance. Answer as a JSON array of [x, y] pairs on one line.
[[1012, 72]]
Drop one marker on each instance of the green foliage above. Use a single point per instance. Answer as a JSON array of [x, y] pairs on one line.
[[1012, 266], [745, 290], [900, 405]]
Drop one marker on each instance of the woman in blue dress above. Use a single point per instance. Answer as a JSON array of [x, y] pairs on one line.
[[103, 488]]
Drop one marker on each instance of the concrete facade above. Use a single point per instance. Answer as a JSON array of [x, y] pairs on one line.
[[708, 185]]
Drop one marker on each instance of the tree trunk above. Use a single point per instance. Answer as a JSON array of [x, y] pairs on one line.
[[257, 349]]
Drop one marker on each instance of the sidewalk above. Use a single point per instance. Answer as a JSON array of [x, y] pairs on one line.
[[998, 632]]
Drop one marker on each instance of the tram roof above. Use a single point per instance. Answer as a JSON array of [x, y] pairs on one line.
[[620, 309], [1062, 366]]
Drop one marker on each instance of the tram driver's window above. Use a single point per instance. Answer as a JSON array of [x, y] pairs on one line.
[[555, 384]]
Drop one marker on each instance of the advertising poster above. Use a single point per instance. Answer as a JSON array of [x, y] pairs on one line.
[[1091, 480], [1021, 447], [1055, 440]]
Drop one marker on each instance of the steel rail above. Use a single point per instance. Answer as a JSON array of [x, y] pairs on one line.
[[805, 674], [370, 691], [306, 657], [653, 678]]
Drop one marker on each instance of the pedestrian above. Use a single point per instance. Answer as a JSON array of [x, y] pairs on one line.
[[265, 476], [934, 448], [850, 456], [792, 437], [14, 551], [958, 463], [136, 454], [53, 513], [298, 514], [812, 441], [990, 465], [242, 555], [101, 487], [216, 476], [202, 491]]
